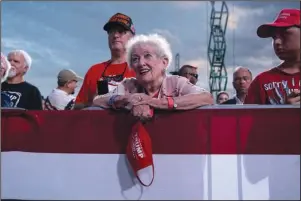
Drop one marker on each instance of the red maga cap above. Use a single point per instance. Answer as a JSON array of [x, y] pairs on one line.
[[140, 155], [286, 18]]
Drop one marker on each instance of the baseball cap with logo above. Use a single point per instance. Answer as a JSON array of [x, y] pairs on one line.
[[120, 19], [140, 155], [286, 18], [67, 75]]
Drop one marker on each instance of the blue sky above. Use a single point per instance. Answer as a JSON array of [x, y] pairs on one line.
[[69, 34]]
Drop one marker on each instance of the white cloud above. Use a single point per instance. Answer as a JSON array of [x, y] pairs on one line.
[[204, 73], [172, 38], [238, 14], [34, 48], [188, 5], [201, 63], [262, 62], [203, 70]]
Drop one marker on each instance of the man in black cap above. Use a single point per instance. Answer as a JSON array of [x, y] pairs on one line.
[[120, 29]]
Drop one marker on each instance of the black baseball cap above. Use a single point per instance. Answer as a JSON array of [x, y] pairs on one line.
[[120, 19]]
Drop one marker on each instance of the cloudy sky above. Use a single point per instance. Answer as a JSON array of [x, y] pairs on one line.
[[69, 34]]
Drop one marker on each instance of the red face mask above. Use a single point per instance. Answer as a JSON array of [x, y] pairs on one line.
[[140, 155]]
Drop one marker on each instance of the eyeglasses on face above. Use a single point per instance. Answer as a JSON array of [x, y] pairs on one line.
[[193, 75], [120, 31]]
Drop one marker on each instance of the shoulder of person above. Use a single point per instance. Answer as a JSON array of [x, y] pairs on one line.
[[179, 82], [174, 80], [265, 73], [4, 95], [130, 84], [60, 100], [55, 93], [230, 101], [29, 84], [97, 67], [5, 100], [32, 87], [4, 83]]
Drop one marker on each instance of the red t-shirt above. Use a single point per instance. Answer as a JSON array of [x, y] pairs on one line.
[[89, 86], [272, 87]]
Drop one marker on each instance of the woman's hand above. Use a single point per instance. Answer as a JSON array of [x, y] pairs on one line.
[[134, 99], [142, 112], [154, 102], [123, 101]]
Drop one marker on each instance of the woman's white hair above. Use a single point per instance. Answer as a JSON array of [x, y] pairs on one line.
[[5, 62], [27, 57], [162, 45]]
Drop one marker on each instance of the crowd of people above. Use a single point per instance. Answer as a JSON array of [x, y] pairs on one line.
[[137, 80]]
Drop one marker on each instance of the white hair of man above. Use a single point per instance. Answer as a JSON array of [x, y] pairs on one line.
[[27, 57], [243, 68], [5, 62], [158, 41]]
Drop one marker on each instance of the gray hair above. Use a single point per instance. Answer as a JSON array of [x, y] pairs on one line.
[[158, 41], [27, 57], [241, 68], [4, 61]]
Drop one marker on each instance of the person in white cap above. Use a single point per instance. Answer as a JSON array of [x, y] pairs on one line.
[[61, 98], [22, 93]]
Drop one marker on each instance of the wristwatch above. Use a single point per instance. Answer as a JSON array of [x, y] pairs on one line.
[[171, 103], [175, 105]]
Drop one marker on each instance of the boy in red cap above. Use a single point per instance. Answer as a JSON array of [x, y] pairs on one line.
[[281, 84]]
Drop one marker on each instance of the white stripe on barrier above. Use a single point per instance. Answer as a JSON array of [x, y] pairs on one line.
[[106, 176]]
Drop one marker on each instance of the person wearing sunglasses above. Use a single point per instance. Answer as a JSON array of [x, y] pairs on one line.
[[120, 29], [190, 72], [150, 56]]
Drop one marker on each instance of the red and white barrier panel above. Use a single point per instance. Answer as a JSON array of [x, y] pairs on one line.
[[238, 154]]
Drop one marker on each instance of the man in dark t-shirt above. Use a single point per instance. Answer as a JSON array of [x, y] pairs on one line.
[[21, 93]]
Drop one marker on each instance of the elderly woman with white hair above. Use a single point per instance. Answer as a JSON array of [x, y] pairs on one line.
[[150, 56]]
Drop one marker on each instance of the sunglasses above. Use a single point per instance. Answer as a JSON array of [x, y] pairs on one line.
[[193, 75], [109, 78], [115, 78]]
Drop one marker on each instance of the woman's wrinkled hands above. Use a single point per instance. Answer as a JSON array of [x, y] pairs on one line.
[[142, 112], [134, 99]]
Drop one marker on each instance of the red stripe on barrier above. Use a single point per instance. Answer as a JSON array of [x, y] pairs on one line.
[[210, 131]]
